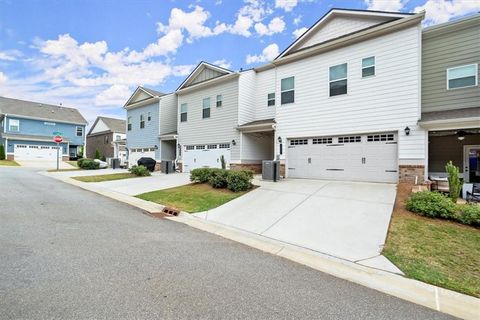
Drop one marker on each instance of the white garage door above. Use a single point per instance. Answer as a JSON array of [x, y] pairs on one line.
[[371, 157], [205, 156], [137, 153], [36, 152]]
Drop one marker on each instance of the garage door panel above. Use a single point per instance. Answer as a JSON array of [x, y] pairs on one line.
[[208, 157], [24, 152]]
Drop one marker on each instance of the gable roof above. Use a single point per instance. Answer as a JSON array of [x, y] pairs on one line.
[[35, 110], [334, 12], [113, 124], [198, 69], [150, 93]]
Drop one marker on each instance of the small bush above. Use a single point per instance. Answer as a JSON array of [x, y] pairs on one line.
[[454, 183], [140, 171], [200, 175], [469, 214], [431, 204], [239, 180], [2, 152], [88, 164], [97, 154], [218, 178]]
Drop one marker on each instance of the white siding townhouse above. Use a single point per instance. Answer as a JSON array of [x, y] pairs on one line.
[[342, 102]]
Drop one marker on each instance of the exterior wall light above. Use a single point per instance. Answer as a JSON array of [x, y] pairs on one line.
[[234, 142], [279, 139], [407, 131]]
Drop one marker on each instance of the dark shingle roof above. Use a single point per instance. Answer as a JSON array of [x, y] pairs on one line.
[[154, 92], [40, 111], [115, 125]]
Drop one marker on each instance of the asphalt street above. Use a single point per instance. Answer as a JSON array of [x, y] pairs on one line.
[[66, 253]]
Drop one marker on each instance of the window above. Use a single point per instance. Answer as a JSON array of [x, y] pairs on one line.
[[200, 147], [142, 121], [351, 139], [381, 137], [189, 147], [149, 116], [183, 112], [106, 139], [79, 131], [338, 80], [219, 100], [287, 90], [206, 108], [296, 142], [129, 123], [224, 145], [14, 125], [368, 67], [118, 137], [321, 140], [212, 146], [271, 99], [462, 77]]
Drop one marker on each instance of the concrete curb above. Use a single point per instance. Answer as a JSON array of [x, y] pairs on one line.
[[443, 300]]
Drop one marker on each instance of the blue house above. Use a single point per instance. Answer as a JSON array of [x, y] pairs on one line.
[[27, 130]]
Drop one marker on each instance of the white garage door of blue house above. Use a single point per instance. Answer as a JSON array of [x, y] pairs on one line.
[[36, 152]]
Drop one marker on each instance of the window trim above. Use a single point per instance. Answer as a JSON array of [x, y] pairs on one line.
[[208, 108], [184, 112], [142, 121], [462, 66], [271, 99], [219, 100], [17, 125], [369, 66], [129, 123], [282, 91], [76, 131], [336, 80]]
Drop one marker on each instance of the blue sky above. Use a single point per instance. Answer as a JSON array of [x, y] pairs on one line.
[[92, 54]]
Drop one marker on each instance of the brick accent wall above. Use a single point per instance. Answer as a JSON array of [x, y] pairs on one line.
[[179, 166], [99, 141], [65, 158], [407, 173], [10, 157], [255, 167]]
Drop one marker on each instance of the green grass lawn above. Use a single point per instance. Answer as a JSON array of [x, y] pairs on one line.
[[73, 163], [192, 197], [105, 177], [9, 163], [439, 252]]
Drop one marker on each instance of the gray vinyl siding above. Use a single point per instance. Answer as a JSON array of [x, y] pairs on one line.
[[442, 51], [168, 114], [221, 126]]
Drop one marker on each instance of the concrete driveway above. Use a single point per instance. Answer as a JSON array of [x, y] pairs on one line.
[[348, 220], [44, 164]]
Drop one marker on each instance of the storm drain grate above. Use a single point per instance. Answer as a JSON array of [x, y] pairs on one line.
[[171, 211]]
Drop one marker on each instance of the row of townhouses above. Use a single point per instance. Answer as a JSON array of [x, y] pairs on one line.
[[361, 95]]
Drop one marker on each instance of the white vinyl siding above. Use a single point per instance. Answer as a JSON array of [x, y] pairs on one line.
[[462, 77], [387, 102], [264, 85], [368, 67], [168, 114]]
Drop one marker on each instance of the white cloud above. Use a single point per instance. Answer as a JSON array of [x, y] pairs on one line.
[[114, 95], [297, 20], [286, 5], [276, 25], [249, 15], [10, 55], [242, 26], [298, 32], [269, 53], [223, 63], [385, 5], [438, 11], [3, 77]]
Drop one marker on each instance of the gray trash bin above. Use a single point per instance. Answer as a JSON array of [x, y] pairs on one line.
[[115, 163], [271, 170], [167, 166]]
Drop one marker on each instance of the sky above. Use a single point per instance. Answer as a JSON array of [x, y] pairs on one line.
[[92, 54]]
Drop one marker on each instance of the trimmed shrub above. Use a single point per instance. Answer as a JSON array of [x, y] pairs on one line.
[[218, 178], [2, 152], [454, 183], [469, 214], [140, 171], [200, 175], [97, 154], [431, 204], [88, 164], [239, 180]]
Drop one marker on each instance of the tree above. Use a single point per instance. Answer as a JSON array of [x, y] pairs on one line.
[[2, 152], [454, 183], [97, 154], [222, 161]]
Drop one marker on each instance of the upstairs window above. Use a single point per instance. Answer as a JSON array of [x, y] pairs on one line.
[[462, 77], [183, 112], [106, 140], [149, 116], [368, 67], [271, 99], [142, 121], [338, 80], [118, 138], [14, 125], [129, 123], [287, 90], [219, 100], [79, 131], [206, 108]]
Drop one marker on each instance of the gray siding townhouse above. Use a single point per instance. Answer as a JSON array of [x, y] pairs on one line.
[[451, 97], [107, 135], [151, 125], [27, 129]]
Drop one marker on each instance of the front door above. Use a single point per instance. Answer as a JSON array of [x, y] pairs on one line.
[[471, 163]]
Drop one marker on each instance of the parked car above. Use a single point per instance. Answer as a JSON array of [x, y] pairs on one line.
[[101, 164], [149, 163]]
